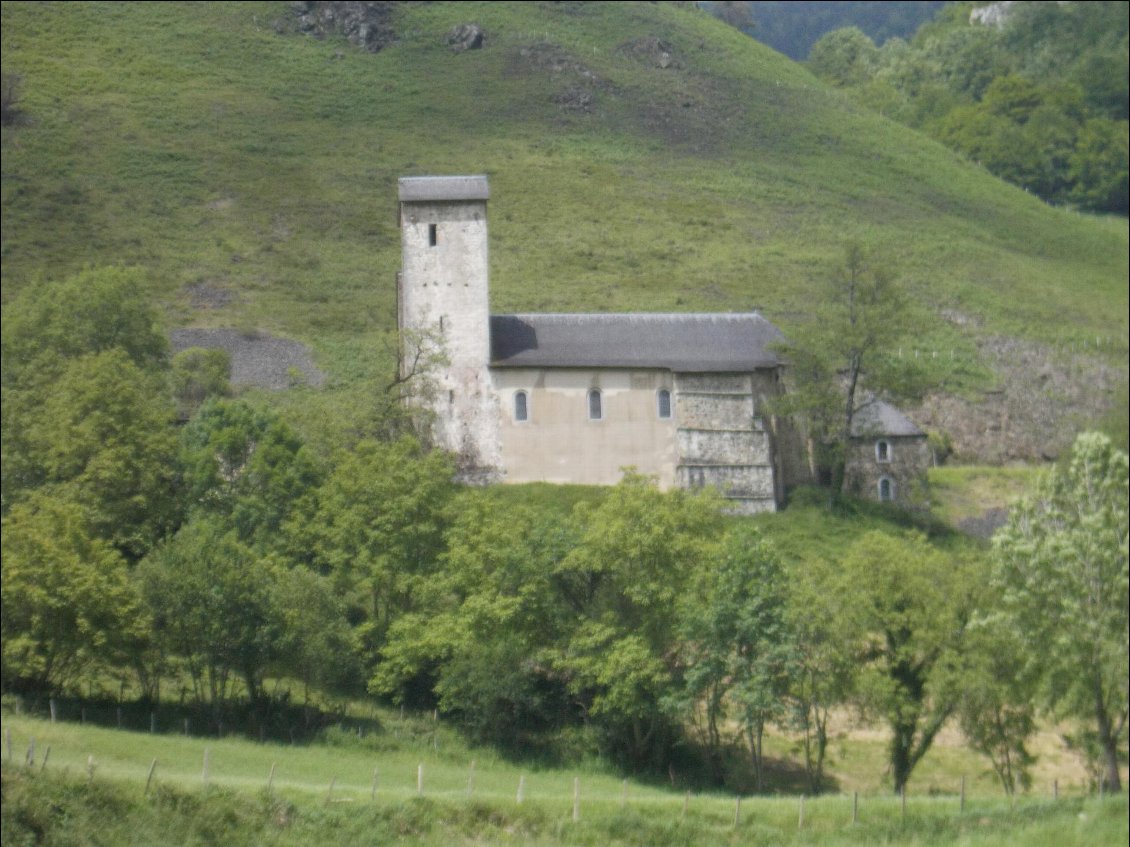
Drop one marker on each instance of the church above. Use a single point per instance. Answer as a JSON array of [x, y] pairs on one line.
[[577, 398]]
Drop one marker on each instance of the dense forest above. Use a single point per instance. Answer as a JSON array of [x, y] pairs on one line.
[[1036, 93]]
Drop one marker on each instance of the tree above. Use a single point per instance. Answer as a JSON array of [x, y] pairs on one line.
[[996, 707], [1061, 567], [902, 606], [246, 465], [68, 599], [101, 435], [844, 358], [638, 551], [211, 599], [737, 645]]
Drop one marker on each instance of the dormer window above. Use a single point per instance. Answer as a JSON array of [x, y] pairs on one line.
[[521, 407], [882, 451], [663, 404]]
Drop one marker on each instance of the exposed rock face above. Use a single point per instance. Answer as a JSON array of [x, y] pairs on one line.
[[365, 25], [652, 50], [465, 37], [257, 359]]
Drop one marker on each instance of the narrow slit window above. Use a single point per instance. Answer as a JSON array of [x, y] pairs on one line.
[[663, 403], [596, 409], [886, 490], [433, 235], [521, 407], [882, 451]]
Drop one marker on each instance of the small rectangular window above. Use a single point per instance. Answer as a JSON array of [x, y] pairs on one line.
[[433, 235], [663, 402], [521, 407], [596, 411]]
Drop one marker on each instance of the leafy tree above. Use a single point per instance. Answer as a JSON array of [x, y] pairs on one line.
[[376, 526], [738, 651], [844, 357], [902, 606], [637, 554], [211, 598], [485, 618], [844, 57], [824, 674], [246, 465], [996, 706], [68, 600], [91, 312], [102, 436], [1061, 566]]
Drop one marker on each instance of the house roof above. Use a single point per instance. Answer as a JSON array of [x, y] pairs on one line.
[[702, 343], [424, 189], [881, 418]]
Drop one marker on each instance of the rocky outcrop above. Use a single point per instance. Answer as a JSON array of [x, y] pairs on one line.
[[365, 25], [465, 37]]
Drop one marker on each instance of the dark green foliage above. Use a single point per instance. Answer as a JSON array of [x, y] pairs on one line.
[[68, 601], [1039, 101], [198, 374]]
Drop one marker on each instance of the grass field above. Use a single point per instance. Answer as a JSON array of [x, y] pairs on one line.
[[349, 790]]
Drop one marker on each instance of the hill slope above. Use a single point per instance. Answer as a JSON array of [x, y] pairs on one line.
[[641, 156]]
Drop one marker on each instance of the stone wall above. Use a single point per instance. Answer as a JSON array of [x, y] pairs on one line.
[[908, 459]]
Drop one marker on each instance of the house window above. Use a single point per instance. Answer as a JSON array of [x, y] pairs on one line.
[[886, 490], [882, 451], [596, 410], [433, 235], [521, 407], [663, 402]]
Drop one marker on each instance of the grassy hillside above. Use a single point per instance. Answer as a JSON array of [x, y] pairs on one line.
[[251, 170]]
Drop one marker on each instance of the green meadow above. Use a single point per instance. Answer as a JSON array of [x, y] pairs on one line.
[[413, 782]]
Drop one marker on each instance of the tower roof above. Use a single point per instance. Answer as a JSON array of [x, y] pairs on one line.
[[424, 189], [690, 343]]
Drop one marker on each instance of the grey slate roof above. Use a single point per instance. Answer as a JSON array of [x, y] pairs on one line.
[[688, 343], [415, 189], [880, 418]]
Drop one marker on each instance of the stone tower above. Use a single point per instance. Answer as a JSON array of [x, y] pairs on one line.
[[443, 296]]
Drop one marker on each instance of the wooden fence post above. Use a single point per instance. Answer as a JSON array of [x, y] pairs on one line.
[[963, 794], [330, 791], [89, 769], [576, 799], [204, 772], [800, 814], [29, 759], [149, 778], [855, 807], [46, 756], [902, 799], [738, 811], [420, 779], [521, 787], [624, 794], [376, 782], [271, 778], [51, 705]]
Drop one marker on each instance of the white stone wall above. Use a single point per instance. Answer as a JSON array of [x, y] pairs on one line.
[[560, 443], [443, 293]]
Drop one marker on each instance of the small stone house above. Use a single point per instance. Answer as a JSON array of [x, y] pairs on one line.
[[887, 457], [577, 398]]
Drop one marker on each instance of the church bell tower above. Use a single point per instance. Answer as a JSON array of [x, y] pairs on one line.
[[443, 298]]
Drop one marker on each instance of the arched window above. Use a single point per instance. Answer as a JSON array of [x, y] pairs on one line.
[[521, 407], [882, 451], [886, 490], [663, 404], [596, 410]]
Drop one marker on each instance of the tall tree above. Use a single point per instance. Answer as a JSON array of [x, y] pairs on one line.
[[1061, 566], [903, 607], [737, 644], [844, 358]]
